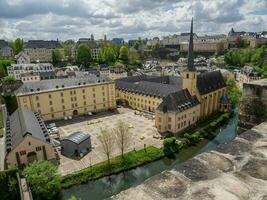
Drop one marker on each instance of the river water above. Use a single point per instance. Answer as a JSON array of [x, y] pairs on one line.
[[108, 186]]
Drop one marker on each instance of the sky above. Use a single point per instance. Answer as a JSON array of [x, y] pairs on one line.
[[129, 19]]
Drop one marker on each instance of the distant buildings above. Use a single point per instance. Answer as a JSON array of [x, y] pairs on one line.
[[19, 70], [248, 74], [41, 50], [113, 74], [59, 98], [118, 41], [94, 47], [5, 50], [27, 139]]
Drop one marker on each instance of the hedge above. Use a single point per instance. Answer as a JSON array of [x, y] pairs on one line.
[[9, 188]]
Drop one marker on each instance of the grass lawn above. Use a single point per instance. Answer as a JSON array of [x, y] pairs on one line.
[[118, 164]]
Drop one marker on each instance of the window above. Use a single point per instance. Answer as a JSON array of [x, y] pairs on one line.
[[74, 92], [50, 103], [104, 105], [49, 96], [94, 95], [62, 100], [94, 101], [84, 103], [104, 99], [169, 126], [103, 93], [52, 116], [64, 113], [103, 88], [187, 75], [38, 148], [38, 105], [63, 107], [70, 92], [29, 143], [169, 119], [83, 90], [83, 96], [22, 153], [51, 109], [93, 89], [62, 94], [37, 98]]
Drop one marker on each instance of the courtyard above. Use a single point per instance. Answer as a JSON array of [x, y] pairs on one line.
[[141, 127]]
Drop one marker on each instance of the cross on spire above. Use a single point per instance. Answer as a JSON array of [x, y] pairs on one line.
[[190, 59]]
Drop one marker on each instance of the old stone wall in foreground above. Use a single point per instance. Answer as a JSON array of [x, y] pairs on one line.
[[237, 170]]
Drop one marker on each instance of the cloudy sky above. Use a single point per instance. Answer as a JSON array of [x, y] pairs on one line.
[[72, 19]]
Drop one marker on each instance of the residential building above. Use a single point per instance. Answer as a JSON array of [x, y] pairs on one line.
[[41, 50], [5, 50], [22, 58], [16, 70], [113, 73], [59, 98], [27, 139], [30, 77], [94, 47]]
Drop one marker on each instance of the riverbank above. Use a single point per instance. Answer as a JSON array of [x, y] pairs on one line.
[[118, 164]]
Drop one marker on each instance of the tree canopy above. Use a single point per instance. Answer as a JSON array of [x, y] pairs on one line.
[[56, 57], [108, 55], [17, 46], [43, 179], [84, 57], [124, 54]]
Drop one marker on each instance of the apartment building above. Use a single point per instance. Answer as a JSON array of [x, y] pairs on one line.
[[17, 70], [114, 74], [59, 98], [41, 50]]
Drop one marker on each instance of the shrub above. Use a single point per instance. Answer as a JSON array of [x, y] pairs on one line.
[[192, 139], [170, 146], [9, 185]]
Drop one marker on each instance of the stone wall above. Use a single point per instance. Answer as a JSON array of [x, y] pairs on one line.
[[254, 101], [237, 170]]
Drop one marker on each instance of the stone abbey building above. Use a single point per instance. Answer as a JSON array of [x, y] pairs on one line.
[[178, 102]]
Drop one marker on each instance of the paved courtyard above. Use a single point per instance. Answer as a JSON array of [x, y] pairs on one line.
[[143, 132]]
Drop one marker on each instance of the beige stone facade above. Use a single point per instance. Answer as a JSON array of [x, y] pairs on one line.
[[206, 46], [41, 54], [28, 150], [30, 77], [61, 102], [138, 101], [176, 121]]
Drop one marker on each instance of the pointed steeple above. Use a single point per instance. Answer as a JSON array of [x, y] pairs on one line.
[[190, 61]]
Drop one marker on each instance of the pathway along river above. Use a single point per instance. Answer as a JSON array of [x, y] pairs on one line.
[[109, 186]]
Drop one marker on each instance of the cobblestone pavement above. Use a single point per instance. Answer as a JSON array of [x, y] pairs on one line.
[[143, 130]]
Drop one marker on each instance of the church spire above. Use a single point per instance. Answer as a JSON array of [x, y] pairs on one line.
[[190, 61]]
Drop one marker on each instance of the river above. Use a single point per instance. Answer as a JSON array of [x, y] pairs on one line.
[[108, 186]]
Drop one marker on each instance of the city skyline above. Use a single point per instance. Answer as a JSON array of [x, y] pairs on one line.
[[66, 19]]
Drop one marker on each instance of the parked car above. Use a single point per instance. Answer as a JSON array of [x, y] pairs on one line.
[[51, 125]]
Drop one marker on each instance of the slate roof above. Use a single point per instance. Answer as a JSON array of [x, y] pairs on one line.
[[210, 81], [21, 123], [3, 43], [178, 101], [148, 88], [33, 44], [54, 84], [77, 137]]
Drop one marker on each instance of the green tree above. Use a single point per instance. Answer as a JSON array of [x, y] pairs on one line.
[[84, 55], [3, 67], [17, 46], [56, 57], [68, 45], [43, 180], [124, 54], [108, 55], [9, 79]]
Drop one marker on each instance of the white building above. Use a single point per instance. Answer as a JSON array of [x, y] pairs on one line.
[[16, 70]]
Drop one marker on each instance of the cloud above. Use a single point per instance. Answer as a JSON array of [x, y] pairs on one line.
[[71, 19]]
